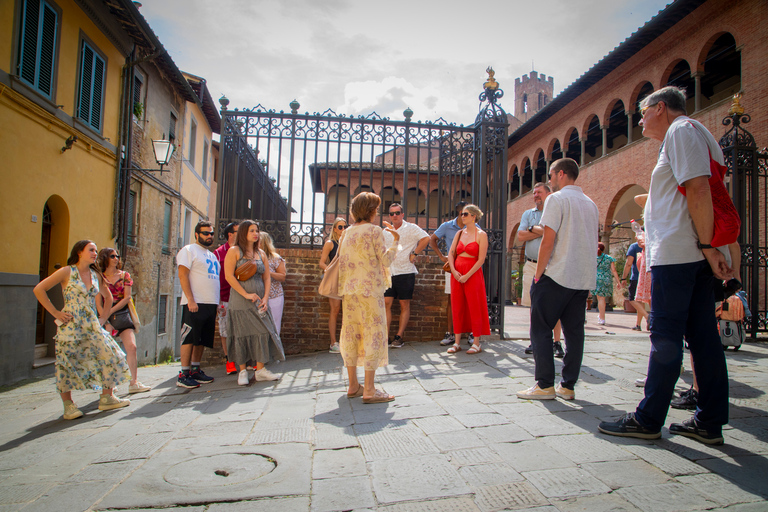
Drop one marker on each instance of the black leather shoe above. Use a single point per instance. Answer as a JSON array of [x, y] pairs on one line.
[[529, 350], [688, 428], [559, 350], [628, 426]]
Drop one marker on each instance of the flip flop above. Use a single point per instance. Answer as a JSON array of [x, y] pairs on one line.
[[357, 393], [379, 398], [474, 349], [455, 348]]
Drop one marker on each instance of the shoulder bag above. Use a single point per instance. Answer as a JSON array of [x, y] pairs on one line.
[[329, 286], [245, 271]]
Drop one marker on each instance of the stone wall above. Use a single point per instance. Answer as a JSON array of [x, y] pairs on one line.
[[305, 316]]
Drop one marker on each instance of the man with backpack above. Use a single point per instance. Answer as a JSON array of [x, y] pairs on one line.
[[683, 263]]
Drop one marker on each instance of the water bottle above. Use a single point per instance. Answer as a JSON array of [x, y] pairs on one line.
[[636, 227]]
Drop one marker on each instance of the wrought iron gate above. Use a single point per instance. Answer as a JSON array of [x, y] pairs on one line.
[[295, 173], [749, 184]]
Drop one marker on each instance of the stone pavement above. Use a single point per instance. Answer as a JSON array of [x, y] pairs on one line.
[[455, 439]]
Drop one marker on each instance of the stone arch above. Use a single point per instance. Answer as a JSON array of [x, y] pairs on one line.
[[572, 144], [593, 135], [436, 198], [641, 90], [416, 202], [513, 183], [620, 211], [512, 237], [59, 241], [679, 74], [616, 126], [54, 249], [553, 147], [388, 196], [527, 174], [337, 199], [720, 66], [361, 189]]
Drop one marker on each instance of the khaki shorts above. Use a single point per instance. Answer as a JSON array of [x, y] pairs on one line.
[[529, 270], [447, 283]]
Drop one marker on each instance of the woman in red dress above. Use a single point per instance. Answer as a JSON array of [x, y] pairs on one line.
[[469, 304]]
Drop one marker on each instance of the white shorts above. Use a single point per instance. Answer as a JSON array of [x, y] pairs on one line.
[[221, 314], [447, 283]]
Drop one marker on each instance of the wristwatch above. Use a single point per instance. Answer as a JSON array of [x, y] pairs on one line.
[[530, 229], [703, 246]]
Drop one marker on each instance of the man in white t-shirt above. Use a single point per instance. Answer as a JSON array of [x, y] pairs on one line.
[[413, 240], [565, 272], [678, 232], [199, 279]]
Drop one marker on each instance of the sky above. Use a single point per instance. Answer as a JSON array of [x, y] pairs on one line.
[[356, 57]]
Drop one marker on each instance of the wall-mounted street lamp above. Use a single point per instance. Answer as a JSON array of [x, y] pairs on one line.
[[163, 150]]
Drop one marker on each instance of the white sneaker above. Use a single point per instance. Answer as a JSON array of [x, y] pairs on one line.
[[138, 388], [71, 411], [335, 348], [109, 402], [640, 382], [600, 321], [265, 375], [242, 378]]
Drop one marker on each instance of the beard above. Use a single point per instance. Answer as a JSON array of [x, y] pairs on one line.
[[204, 242]]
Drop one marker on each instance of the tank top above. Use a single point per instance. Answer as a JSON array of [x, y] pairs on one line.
[[472, 248]]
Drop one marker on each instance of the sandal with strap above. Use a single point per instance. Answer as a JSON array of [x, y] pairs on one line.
[[455, 348], [474, 349]]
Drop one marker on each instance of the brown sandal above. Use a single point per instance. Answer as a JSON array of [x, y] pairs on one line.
[[455, 348], [474, 349], [357, 393], [379, 398]]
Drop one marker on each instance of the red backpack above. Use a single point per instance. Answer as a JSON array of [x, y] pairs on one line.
[[727, 224]]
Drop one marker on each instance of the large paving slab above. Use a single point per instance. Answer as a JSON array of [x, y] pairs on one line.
[[456, 439]]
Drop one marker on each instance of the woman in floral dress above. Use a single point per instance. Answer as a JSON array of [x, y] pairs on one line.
[[277, 273], [86, 355], [606, 271], [363, 276]]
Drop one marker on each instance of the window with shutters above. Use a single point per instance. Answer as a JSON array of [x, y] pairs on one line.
[[172, 128], [38, 45], [90, 98], [192, 141], [138, 97], [162, 313], [167, 227], [205, 161], [132, 215]]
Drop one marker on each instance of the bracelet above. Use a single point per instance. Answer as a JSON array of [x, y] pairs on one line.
[[703, 246]]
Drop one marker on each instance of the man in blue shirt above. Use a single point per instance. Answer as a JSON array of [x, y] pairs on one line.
[[447, 231]]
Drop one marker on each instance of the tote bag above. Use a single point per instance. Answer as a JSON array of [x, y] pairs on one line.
[[329, 286]]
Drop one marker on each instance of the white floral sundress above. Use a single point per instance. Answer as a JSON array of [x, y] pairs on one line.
[[86, 355]]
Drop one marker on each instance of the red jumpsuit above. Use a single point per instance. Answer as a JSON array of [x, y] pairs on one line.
[[468, 301]]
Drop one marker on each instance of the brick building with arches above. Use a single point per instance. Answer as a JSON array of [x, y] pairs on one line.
[[712, 48]]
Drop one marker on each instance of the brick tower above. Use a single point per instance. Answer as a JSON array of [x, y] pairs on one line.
[[532, 92]]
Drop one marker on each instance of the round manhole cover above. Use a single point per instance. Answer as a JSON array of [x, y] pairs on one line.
[[220, 470]]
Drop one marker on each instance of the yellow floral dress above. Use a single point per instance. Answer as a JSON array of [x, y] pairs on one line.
[[364, 264], [86, 355]]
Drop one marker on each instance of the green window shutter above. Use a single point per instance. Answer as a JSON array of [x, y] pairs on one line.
[[37, 45], [91, 87]]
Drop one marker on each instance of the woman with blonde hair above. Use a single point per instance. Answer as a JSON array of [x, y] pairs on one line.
[[120, 283], [86, 355], [330, 248], [364, 263], [252, 332], [469, 304], [277, 273]]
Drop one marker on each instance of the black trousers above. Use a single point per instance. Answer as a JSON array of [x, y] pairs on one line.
[[551, 302]]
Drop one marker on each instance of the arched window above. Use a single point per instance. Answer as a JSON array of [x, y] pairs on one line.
[[593, 147], [525, 103], [722, 71], [557, 151], [573, 146], [680, 76], [527, 175], [541, 167], [637, 130], [513, 183], [616, 135]]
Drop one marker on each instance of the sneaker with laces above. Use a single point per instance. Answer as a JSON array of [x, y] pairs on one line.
[[397, 342], [335, 348], [265, 375], [689, 428], [600, 321], [640, 383], [529, 350], [558, 348], [628, 426], [231, 368], [200, 376], [243, 378], [637, 328], [470, 339], [449, 339], [185, 381], [688, 400], [138, 388], [564, 393], [536, 393], [71, 411], [109, 402]]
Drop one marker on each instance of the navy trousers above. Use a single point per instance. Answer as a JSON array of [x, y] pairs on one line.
[[551, 302], [683, 305]]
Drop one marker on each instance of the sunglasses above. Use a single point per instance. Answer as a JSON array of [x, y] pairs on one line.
[[206, 233], [645, 109], [341, 227], [395, 214], [465, 214], [114, 256]]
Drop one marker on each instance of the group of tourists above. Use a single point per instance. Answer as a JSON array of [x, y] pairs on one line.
[[241, 284]]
